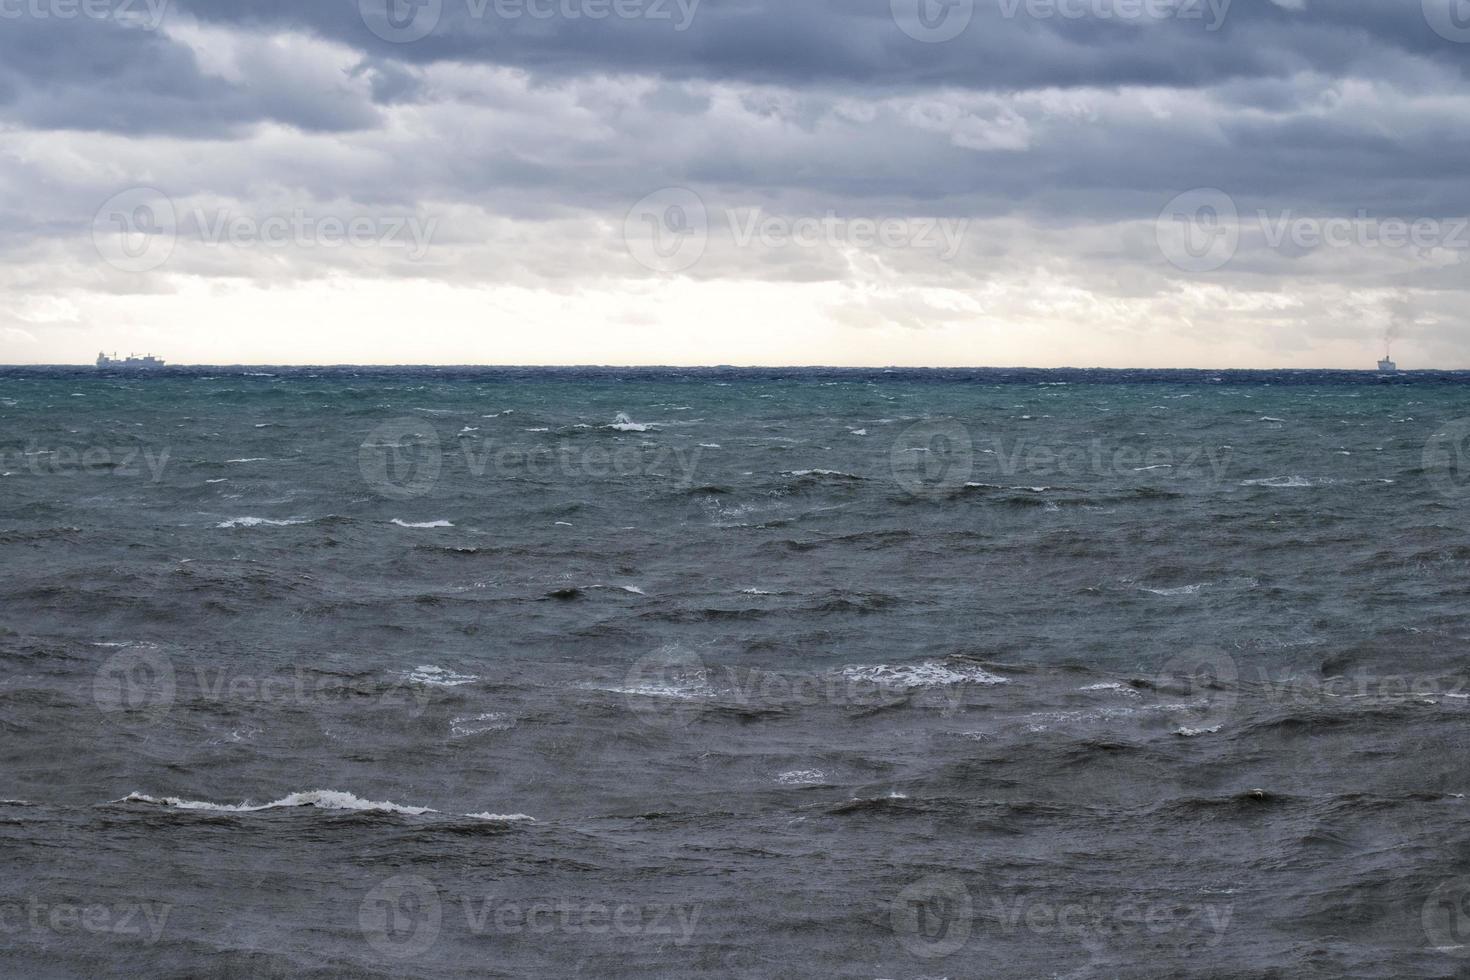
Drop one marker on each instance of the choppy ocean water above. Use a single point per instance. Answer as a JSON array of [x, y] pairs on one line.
[[454, 673]]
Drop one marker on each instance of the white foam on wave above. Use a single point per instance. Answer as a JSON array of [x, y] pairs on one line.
[[321, 799], [997, 486], [927, 674], [470, 725], [502, 817], [1280, 482], [437, 676], [832, 473], [1113, 686], [253, 459], [262, 522], [1179, 590], [1187, 732], [631, 589], [424, 524], [624, 424], [802, 777]]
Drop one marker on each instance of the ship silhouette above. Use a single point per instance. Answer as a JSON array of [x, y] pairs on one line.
[[132, 361]]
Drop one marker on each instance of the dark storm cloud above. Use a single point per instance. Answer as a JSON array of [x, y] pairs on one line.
[[1007, 44], [104, 73]]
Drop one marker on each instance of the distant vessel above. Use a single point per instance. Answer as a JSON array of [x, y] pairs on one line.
[[1387, 366], [131, 362]]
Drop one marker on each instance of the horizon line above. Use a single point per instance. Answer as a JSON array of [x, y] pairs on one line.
[[707, 367]]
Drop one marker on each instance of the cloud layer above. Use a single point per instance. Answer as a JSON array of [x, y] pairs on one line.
[[1117, 182]]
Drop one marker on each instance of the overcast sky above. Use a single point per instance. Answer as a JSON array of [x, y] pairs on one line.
[[1118, 183]]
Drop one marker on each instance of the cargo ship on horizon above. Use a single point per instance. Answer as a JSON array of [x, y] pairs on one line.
[[131, 362]]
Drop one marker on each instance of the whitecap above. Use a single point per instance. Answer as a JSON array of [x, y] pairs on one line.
[[425, 524], [632, 589], [1180, 590], [833, 473], [624, 424], [1113, 686], [503, 817], [480, 724], [262, 522], [437, 676], [1279, 482], [927, 674], [802, 777], [252, 459], [320, 798]]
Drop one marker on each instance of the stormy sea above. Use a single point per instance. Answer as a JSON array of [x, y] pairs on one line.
[[734, 673]]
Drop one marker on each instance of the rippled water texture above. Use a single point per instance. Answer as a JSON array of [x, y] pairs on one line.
[[734, 674]]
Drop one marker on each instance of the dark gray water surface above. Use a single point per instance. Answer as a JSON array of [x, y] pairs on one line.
[[734, 674]]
